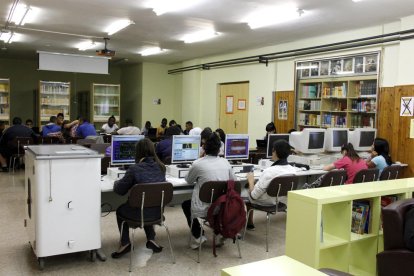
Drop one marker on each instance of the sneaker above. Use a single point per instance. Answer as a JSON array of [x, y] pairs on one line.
[[195, 243], [250, 227]]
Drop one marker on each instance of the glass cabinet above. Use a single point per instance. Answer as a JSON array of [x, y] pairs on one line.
[[54, 98], [5, 100], [106, 101]]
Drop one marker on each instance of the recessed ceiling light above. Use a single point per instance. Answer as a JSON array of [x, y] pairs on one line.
[[118, 25], [199, 36], [273, 15], [165, 6], [152, 51]]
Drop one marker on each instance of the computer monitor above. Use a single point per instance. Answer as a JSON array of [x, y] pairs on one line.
[[362, 138], [123, 149], [309, 140], [236, 147], [271, 138], [335, 138], [185, 149]]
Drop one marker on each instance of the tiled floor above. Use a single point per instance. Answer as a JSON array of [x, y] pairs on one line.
[[17, 257]]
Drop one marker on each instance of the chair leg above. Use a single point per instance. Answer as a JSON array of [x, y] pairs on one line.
[[200, 238], [169, 241], [189, 237], [267, 232], [132, 250], [238, 247], [247, 219]]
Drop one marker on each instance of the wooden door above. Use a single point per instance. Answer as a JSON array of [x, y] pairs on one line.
[[234, 107], [284, 122]]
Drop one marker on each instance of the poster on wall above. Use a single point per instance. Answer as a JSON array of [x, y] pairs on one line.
[[283, 110], [229, 104], [407, 106], [260, 101]]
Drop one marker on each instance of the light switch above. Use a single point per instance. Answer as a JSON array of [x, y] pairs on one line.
[[71, 244]]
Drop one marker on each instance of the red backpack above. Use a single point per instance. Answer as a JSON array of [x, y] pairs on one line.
[[227, 214]]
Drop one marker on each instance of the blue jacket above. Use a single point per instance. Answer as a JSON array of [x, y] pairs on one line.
[[86, 129], [50, 128]]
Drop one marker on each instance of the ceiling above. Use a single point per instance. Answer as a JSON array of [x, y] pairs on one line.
[[60, 25]]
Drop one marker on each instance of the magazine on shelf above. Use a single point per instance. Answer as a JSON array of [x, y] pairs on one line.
[[360, 217]]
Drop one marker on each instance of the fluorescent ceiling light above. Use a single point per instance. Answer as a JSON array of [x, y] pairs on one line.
[[164, 6], [356, 1], [199, 36], [118, 25], [23, 14], [152, 51], [86, 45], [8, 37], [273, 15]]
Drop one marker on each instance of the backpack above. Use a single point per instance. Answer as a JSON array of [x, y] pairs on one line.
[[227, 215]]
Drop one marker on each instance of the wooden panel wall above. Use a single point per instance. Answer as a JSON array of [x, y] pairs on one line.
[[283, 126], [395, 128]]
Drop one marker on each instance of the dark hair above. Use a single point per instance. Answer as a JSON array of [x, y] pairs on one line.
[[212, 144], [205, 134], [221, 134], [17, 121], [382, 148], [350, 152], [147, 124], [128, 121], [112, 117], [172, 123], [291, 130], [270, 127], [173, 130], [145, 148], [29, 121], [164, 120], [282, 148], [189, 123], [60, 114], [52, 119]]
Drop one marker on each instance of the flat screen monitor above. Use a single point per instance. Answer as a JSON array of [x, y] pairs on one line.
[[308, 141], [123, 149], [362, 138], [185, 148], [271, 138], [335, 139], [236, 147]]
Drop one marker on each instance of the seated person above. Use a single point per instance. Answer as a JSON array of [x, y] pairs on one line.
[[211, 167], [161, 129], [7, 147], [204, 136], [147, 169], [146, 128], [129, 129], [195, 131], [164, 147], [350, 161], [60, 119], [270, 129], [258, 192], [85, 129], [52, 129], [69, 129], [188, 127], [109, 127], [380, 157], [172, 123]]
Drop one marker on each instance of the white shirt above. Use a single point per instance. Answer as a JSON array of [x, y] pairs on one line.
[[129, 130], [109, 129]]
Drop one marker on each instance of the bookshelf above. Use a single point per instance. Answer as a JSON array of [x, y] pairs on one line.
[[54, 98], [106, 101], [5, 100], [319, 221]]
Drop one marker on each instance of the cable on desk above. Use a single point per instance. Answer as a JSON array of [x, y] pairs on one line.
[[110, 209]]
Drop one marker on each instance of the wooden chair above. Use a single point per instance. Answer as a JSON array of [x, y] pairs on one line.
[[366, 175], [18, 144], [333, 178], [390, 172], [147, 195], [279, 186], [209, 192]]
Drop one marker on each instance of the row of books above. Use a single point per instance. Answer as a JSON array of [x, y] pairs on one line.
[[311, 91], [309, 119], [4, 87], [4, 99], [339, 91], [360, 217], [309, 105], [4, 110], [55, 101], [364, 105], [336, 105], [329, 120], [55, 88], [362, 120], [366, 88]]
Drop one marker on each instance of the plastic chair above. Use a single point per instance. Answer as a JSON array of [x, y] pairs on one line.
[[333, 178], [19, 143], [147, 195], [366, 175], [209, 192], [390, 172], [279, 186]]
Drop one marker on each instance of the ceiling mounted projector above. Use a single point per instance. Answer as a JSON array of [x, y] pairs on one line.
[[105, 52]]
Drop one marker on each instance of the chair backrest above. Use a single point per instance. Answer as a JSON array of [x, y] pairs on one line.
[[20, 142], [333, 178], [151, 193], [281, 185], [85, 142], [390, 172], [50, 140], [211, 190], [100, 148], [393, 223], [107, 138], [366, 175]]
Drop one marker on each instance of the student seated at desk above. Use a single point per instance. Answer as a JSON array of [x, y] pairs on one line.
[[211, 167], [148, 169], [380, 156], [258, 192], [164, 147], [129, 129], [110, 126]]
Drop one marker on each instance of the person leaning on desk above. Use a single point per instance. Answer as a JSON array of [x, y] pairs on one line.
[[147, 169]]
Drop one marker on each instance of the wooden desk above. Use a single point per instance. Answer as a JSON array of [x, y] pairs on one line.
[[283, 266]]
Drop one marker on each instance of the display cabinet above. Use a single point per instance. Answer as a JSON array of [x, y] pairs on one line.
[[106, 101], [54, 98], [5, 100]]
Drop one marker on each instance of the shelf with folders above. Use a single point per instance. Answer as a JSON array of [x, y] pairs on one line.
[[5, 100], [54, 98], [106, 101]]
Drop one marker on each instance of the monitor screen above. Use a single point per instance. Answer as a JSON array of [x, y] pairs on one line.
[[185, 148], [367, 138], [272, 138], [308, 141], [340, 137], [123, 149], [362, 138], [316, 140], [236, 146]]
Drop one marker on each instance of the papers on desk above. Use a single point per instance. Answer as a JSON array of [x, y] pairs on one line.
[[257, 174]]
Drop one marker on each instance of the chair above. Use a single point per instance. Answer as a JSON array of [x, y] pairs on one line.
[[333, 178], [72, 140], [146, 195], [396, 259], [19, 143], [209, 192], [390, 172], [366, 175], [50, 140], [100, 148], [105, 162], [107, 138], [86, 142], [279, 186]]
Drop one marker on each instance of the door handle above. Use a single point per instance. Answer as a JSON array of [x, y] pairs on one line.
[[235, 123]]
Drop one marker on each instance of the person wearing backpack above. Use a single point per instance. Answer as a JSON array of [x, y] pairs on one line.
[[258, 192], [211, 167]]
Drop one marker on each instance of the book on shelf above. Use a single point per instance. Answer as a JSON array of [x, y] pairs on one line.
[[360, 217], [387, 200], [311, 91]]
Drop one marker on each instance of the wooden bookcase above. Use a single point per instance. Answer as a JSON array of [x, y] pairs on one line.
[[5, 100], [318, 226], [106, 101], [54, 98]]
